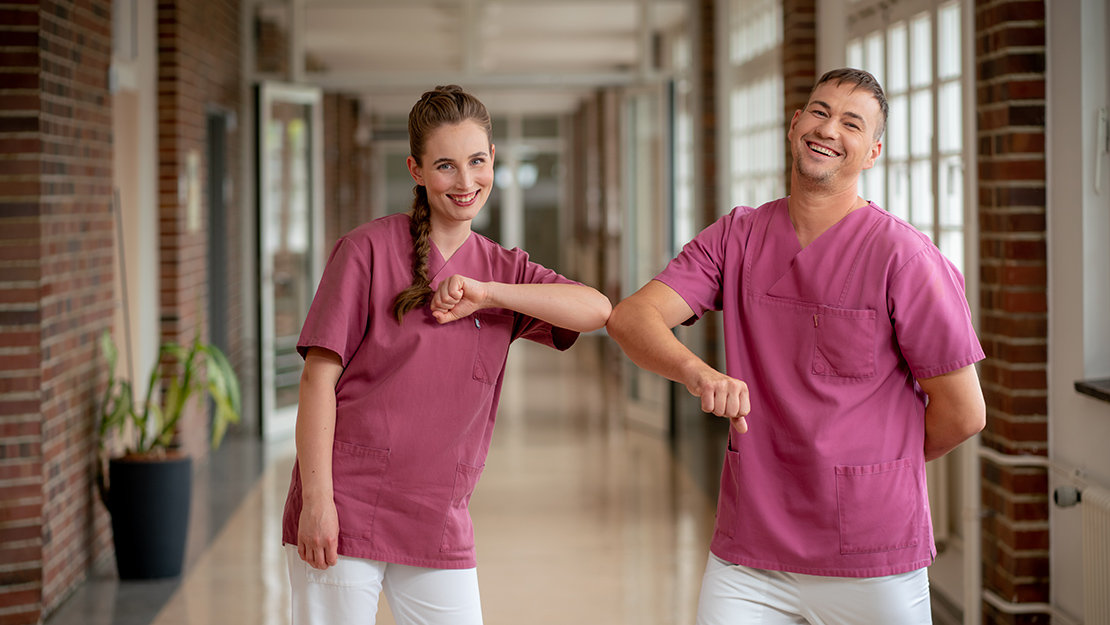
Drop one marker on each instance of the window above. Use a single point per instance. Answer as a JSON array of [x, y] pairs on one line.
[[920, 175], [684, 173], [756, 117]]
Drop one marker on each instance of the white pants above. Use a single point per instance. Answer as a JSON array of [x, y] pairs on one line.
[[347, 593], [738, 595]]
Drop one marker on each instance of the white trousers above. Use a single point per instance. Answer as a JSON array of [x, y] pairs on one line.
[[347, 593], [738, 595]]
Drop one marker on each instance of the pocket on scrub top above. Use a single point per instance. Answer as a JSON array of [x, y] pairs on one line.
[[845, 342], [726, 506], [879, 506], [495, 332], [458, 529], [358, 473]]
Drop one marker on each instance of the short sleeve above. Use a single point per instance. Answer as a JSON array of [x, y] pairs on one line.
[[534, 329], [697, 273], [339, 315], [931, 317]]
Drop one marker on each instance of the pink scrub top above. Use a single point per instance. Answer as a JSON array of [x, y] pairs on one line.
[[416, 403], [830, 477]]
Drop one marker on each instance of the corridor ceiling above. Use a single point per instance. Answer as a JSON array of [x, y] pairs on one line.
[[517, 55]]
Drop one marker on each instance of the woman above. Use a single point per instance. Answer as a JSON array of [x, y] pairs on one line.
[[404, 348]]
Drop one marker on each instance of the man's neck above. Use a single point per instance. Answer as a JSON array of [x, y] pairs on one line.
[[813, 211]]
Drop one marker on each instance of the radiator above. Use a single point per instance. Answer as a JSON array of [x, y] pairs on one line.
[[1095, 503]]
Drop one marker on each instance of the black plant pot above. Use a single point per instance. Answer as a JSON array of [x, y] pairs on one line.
[[149, 504]]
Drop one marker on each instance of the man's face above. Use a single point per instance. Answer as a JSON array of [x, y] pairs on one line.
[[833, 138]]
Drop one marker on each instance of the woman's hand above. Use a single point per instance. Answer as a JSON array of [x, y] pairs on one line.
[[318, 534], [458, 297]]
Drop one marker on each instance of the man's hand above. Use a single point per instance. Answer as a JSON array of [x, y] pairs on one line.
[[723, 396]]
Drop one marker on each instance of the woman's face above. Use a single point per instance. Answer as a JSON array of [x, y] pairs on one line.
[[457, 172]]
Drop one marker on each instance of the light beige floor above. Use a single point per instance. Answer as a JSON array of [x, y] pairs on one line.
[[578, 519]]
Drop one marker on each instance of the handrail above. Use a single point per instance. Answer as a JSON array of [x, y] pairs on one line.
[[1009, 607], [1076, 477]]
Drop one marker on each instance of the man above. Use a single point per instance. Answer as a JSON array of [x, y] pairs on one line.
[[849, 353]]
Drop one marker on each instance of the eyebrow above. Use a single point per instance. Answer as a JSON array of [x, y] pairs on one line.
[[448, 160], [846, 113]]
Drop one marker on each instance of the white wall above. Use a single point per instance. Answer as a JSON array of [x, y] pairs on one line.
[[1079, 269]]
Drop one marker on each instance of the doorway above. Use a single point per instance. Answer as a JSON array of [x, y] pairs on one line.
[[290, 230]]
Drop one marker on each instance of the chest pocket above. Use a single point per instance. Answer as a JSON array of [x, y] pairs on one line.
[[495, 332], [845, 342]]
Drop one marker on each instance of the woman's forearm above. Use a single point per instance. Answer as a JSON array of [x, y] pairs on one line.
[[571, 306], [315, 430]]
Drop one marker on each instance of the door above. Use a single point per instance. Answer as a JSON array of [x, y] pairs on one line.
[[290, 230], [647, 235], [217, 230]]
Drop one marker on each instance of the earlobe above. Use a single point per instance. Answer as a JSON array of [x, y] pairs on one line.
[[414, 171], [793, 123], [876, 150]]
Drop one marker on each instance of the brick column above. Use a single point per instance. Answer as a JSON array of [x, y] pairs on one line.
[[799, 64], [55, 295], [346, 181], [708, 168], [1010, 60]]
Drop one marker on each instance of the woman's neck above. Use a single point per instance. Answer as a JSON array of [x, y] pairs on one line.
[[449, 238]]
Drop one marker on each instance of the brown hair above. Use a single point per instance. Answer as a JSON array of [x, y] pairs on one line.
[[862, 80], [441, 106]]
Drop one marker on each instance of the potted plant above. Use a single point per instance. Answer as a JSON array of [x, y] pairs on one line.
[[148, 485]]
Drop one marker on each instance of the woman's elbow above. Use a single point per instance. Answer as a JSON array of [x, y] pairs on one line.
[[599, 311]]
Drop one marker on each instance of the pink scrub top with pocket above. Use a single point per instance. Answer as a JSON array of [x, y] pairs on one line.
[[830, 477], [416, 402]]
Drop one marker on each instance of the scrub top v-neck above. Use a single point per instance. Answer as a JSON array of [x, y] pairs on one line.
[[417, 401], [830, 477]]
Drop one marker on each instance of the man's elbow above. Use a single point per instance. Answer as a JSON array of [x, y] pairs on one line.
[[977, 419], [621, 321]]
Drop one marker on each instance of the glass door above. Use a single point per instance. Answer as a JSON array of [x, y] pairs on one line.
[[290, 231], [647, 236]]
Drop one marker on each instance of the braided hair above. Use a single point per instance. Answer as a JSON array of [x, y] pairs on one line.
[[441, 106]]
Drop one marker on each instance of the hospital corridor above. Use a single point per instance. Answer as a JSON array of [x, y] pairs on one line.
[[872, 203]]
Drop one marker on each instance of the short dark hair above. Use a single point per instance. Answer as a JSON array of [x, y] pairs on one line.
[[863, 80]]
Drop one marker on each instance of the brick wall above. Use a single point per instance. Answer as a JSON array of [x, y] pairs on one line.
[[799, 64], [346, 176], [55, 294], [1010, 60], [198, 59], [711, 206], [271, 46]]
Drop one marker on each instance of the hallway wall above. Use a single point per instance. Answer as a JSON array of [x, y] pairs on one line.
[[55, 294], [198, 60]]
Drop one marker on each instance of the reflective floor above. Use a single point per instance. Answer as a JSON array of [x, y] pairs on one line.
[[578, 518]]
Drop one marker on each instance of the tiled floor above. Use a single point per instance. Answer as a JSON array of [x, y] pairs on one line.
[[578, 519]]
